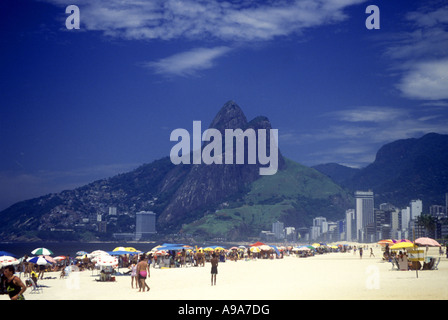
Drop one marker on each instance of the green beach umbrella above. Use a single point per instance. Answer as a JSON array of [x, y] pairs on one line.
[[42, 251]]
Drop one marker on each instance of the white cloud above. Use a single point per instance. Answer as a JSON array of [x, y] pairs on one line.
[[426, 80], [368, 114], [187, 63], [420, 54], [193, 19]]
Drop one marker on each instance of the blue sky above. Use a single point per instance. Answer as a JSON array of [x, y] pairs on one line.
[[80, 105]]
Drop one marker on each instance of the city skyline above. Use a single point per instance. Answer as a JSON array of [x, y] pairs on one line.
[[85, 104]]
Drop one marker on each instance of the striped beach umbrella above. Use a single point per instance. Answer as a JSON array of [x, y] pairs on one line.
[[42, 251], [38, 260]]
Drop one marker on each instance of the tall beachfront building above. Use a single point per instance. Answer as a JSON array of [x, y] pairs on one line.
[[364, 214], [350, 225], [416, 208], [145, 224]]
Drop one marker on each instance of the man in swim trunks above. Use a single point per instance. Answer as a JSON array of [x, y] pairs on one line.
[[142, 273], [14, 286], [214, 272]]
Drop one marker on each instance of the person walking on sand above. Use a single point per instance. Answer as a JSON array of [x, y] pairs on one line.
[[360, 252], [371, 253], [214, 272], [142, 273]]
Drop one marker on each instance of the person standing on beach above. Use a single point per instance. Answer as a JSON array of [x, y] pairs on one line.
[[133, 268], [142, 273], [14, 286], [214, 272], [360, 252]]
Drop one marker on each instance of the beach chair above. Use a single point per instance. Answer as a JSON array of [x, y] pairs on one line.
[[34, 287]]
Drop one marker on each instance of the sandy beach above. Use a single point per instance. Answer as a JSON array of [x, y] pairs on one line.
[[328, 276]]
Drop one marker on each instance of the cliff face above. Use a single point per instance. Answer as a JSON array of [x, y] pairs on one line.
[[208, 185]]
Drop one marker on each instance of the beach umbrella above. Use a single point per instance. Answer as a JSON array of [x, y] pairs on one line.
[[8, 260], [265, 247], [385, 242], [38, 260], [48, 258], [255, 249], [60, 258], [120, 249], [316, 245], [131, 249], [107, 261], [160, 253], [257, 244], [5, 253], [402, 245], [425, 241], [81, 253], [42, 251], [98, 253]]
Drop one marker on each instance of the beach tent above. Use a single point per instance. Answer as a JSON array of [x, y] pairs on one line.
[[120, 253]]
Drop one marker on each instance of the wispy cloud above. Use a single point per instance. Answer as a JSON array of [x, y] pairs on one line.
[[420, 54], [354, 135], [228, 22], [187, 63], [225, 20]]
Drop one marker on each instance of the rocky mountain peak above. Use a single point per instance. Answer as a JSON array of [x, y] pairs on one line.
[[229, 117]]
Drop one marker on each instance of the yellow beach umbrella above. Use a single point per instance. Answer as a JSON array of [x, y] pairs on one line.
[[402, 245], [255, 249], [131, 249], [316, 245]]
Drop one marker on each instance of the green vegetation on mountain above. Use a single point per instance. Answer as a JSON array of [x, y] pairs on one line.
[[295, 195]]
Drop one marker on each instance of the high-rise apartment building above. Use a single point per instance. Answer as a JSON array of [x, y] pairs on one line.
[[145, 224], [416, 208], [350, 225], [364, 213]]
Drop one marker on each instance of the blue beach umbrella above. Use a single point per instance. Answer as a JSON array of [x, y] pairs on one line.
[[5, 253], [38, 260]]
